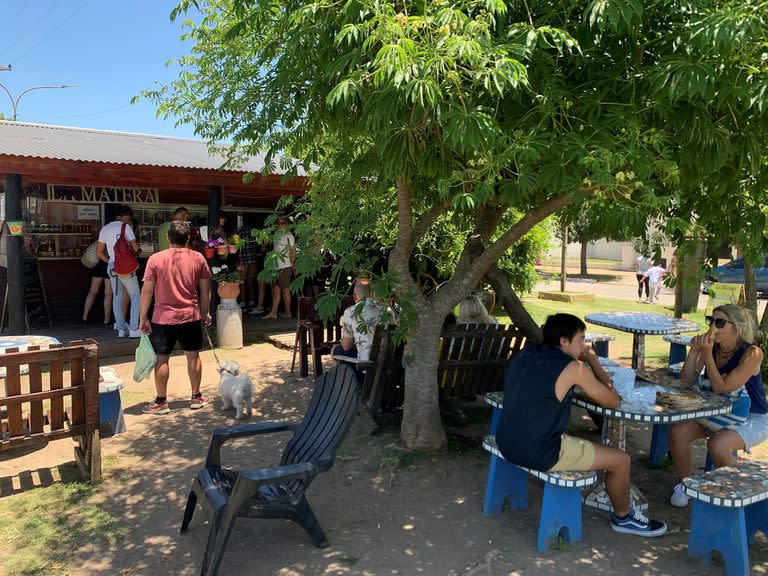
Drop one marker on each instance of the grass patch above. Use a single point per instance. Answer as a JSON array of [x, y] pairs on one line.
[[42, 526], [560, 545], [465, 445], [656, 350]]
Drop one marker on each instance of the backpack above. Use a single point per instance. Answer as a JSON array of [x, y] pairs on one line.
[[125, 260]]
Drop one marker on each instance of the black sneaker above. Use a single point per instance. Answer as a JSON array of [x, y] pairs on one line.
[[638, 524]]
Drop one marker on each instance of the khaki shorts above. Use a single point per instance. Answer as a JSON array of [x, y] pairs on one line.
[[575, 454], [284, 277]]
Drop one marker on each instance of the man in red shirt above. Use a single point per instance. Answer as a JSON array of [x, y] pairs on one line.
[[179, 279]]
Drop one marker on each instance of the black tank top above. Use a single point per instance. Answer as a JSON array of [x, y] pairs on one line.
[[533, 419]]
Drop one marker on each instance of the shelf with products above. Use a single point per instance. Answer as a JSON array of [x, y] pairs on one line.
[[58, 234]]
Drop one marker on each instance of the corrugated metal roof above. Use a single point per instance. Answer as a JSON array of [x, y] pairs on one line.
[[85, 144]]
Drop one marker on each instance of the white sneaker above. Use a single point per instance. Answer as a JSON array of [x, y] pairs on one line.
[[122, 333], [679, 498], [135, 334]]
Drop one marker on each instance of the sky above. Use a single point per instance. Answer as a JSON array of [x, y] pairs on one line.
[[110, 50]]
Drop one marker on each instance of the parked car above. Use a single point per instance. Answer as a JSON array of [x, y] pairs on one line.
[[733, 273]]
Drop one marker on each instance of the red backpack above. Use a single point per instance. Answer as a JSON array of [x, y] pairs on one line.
[[125, 260]]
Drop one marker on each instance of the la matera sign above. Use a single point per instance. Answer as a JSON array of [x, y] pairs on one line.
[[102, 194]]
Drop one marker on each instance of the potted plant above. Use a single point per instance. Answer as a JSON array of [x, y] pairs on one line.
[[228, 281], [235, 243], [209, 250], [217, 245]]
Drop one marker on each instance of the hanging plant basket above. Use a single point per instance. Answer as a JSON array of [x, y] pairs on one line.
[[232, 249], [222, 250], [209, 253]]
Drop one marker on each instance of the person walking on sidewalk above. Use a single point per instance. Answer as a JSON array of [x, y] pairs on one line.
[[653, 276], [642, 265], [179, 280]]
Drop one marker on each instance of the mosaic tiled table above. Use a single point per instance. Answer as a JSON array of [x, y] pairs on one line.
[[23, 343], [639, 324], [730, 504], [638, 404]]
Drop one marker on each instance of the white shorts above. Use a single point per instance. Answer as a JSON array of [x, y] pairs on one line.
[[754, 431]]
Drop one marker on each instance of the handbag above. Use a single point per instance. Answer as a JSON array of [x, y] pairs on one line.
[[89, 258], [125, 260]]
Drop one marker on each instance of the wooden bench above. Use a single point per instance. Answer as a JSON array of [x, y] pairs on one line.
[[473, 357], [32, 409], [561, 505], [729, 506]]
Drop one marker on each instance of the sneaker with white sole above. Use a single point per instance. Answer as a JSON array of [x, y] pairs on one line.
[[257, 310], [198, 401], [638, 524], [134, 333], [156, 408], [122, 333], [679, 498]]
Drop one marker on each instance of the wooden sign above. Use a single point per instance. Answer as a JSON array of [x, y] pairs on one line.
[[34, 296], [724, 293]]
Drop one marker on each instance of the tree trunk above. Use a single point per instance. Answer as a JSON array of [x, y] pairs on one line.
[[750, 286], [584, 257], [688, 277], [512, 305], [563, 257], [421, 428]]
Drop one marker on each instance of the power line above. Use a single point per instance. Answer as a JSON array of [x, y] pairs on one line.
[[25, 31], [49, 35], [8, 23]]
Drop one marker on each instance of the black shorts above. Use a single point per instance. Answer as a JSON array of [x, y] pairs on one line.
[[164, 337], [100, 270]]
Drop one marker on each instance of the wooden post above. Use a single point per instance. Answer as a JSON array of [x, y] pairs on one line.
[[563, 254], [214, 207], [15, 261]]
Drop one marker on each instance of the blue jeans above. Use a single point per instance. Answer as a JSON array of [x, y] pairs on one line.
[[122, 284]]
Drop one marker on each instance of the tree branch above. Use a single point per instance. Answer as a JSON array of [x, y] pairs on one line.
[[428, 218]]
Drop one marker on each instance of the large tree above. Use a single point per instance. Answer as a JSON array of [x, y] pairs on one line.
[[408, 113]]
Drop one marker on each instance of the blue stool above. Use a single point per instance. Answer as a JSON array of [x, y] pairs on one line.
[[728, 509], [678, 347], [600, 342], [561, 504], [657, 454]]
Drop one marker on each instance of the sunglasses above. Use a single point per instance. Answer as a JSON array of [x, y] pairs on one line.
[[718, 322]]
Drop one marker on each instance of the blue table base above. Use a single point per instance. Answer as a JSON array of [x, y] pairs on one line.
[[677, 353], [111, 419], [657, 454], [727, 530]]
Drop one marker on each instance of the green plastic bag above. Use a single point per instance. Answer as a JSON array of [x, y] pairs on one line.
[[145, 359]]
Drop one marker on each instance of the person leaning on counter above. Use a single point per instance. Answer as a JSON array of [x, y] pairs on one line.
[[105, 250]]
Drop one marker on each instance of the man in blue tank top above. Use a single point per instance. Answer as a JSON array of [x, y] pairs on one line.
[[538, 387]]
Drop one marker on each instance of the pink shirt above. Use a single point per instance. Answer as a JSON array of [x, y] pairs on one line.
[[176, 273]]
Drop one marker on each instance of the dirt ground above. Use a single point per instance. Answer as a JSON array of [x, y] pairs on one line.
[[385, 511]]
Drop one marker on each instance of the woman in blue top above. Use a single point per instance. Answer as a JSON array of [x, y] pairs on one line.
[[731, 360]]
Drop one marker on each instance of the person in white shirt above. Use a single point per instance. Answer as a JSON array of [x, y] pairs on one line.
[[654, 275], [284, 245], [642, 265], [358, 323], [105, 249]]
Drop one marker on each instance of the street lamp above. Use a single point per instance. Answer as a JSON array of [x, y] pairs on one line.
[[15, 103]]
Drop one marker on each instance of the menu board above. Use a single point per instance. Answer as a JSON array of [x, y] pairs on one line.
[[34, 295]]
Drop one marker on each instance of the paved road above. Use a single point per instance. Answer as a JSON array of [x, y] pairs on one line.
[[623, 288]]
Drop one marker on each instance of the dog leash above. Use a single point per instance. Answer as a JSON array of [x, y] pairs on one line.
[[210, 343]]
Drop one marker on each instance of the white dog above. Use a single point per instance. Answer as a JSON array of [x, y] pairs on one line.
[[235, 388]]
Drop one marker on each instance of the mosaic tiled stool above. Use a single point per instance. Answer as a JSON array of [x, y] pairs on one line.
[[678, 347], [560, 505], [600, 342], [730, 505]]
